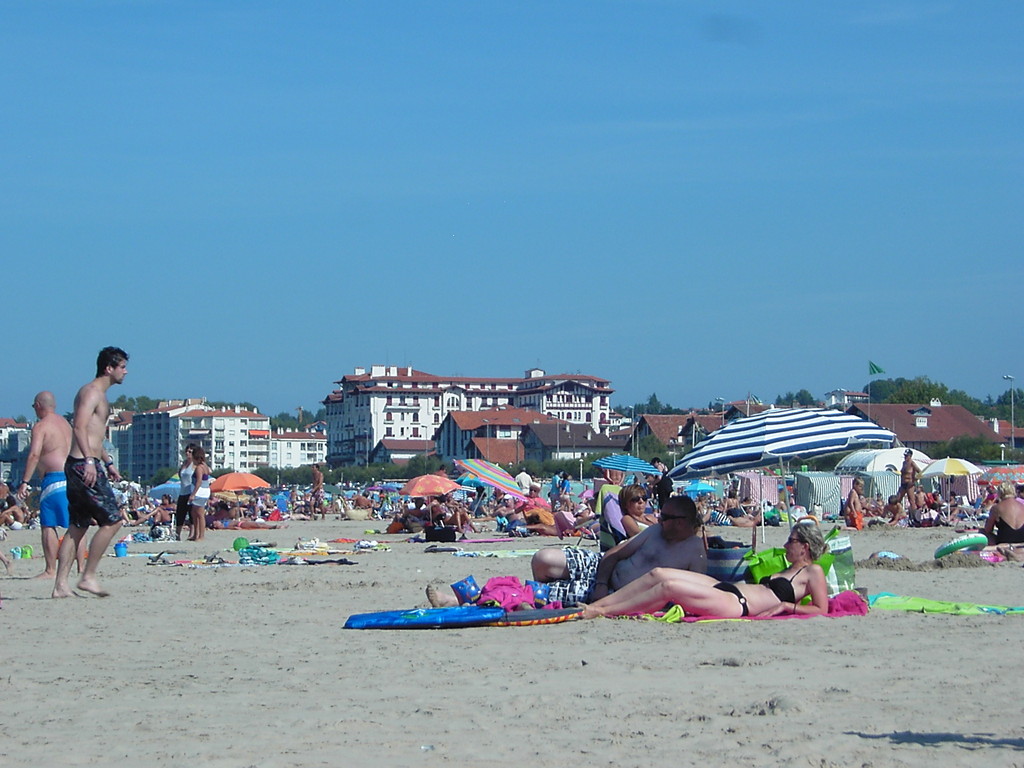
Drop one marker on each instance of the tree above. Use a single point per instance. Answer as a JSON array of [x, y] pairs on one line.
[[802, 398], [974, 449], [650, 447], [138, 404], [919, 390], [422, 465], [162, 476], [880, 389]]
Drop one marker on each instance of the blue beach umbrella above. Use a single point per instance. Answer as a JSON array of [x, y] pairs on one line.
[[696, 488], [777, 435], [170, 488], [626, 463]]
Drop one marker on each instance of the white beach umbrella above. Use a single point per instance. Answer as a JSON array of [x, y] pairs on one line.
[[949, 467]]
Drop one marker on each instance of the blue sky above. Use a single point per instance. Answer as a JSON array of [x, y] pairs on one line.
[[695, 199]]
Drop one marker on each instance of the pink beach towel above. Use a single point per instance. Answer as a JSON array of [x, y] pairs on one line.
[[847, 603]]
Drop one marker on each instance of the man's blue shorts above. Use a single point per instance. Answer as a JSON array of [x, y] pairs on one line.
[[53, 501]]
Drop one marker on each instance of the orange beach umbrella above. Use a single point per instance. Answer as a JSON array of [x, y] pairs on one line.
[[238, 481]]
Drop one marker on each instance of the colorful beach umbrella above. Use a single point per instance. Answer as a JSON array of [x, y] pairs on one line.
[[492, 474], [776, 435], [626, 463], [238, 481], [949, 467], [999, 475], [429, 485]]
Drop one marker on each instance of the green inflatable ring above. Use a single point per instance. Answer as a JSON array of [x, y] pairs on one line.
[[967, 541]]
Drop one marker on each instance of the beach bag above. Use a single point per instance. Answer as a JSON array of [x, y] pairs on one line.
[[439, 533], [842, 575], [772, 561], [728, 564]]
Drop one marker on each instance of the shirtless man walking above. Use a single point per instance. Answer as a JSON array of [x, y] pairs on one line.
[[908, 479], [90, 497], [317, 494], [48, 450]]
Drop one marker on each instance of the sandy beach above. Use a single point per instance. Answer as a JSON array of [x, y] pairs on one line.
[[250, 666]]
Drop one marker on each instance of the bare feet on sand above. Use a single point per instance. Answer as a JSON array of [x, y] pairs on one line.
[[438, 601], [92, 587]]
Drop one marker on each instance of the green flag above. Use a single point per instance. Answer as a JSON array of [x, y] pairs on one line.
[[874, 370]]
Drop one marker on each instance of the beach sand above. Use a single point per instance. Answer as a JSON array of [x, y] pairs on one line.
[[250, 666]]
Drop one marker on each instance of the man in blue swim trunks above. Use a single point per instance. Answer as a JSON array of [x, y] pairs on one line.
[[87, 469], [48, 450]]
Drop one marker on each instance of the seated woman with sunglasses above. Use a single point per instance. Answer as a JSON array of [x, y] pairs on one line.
[[701, 595], [633, 503]]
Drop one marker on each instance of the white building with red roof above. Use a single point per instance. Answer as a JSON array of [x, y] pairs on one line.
[[292, 448], [233, 438], [391, 402]]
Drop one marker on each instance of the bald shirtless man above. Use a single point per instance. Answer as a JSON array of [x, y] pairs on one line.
[[48, 450], [88, 467]]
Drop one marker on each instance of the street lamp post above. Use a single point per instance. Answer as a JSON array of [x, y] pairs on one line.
[[1013, 426]]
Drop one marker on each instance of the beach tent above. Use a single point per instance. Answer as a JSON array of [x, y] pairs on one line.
[[824, 489], [884, 460], [759, 487], [884, 484]]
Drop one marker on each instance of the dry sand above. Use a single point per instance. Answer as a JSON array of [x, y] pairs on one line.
[[249, 666]]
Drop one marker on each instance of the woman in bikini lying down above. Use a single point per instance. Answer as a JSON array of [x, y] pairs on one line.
[[701, 595]]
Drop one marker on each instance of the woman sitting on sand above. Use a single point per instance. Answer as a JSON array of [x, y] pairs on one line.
[[701, 595], [1005, 524]]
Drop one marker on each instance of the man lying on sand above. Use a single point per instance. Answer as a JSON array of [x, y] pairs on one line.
[[579, 575]]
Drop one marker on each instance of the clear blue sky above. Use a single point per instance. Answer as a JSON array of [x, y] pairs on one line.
[[696, 199]]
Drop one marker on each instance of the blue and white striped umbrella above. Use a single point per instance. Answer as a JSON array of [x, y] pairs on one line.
[[626, 463], [776, 435]]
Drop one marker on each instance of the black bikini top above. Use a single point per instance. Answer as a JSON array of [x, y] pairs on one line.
[[782, 587]]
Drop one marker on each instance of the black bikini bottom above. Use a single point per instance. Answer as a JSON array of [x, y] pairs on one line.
[[725, 586]]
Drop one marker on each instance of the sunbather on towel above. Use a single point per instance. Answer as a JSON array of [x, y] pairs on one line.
[[701, 595]]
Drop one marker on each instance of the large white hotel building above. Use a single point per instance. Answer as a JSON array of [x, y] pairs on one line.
[[391, 402]]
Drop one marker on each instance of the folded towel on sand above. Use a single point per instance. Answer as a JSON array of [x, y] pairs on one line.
[[847, 603], [890, 602]]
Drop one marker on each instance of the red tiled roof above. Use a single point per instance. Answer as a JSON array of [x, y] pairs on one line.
[[505, 417], [709, 422], [665, 427], [944, 422], [499, 451], [580, 436], [6, 422]]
